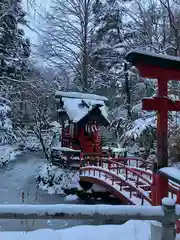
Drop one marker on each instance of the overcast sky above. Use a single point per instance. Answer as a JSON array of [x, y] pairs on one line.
[[35, 10]]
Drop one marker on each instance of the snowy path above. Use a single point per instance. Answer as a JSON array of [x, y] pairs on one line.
[[19, 176]]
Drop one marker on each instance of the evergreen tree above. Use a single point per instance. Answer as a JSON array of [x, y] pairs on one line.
[[14, 53], [108, 46], [112, 40]]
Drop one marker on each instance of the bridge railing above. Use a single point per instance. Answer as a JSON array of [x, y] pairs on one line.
[[116, 180], [167, 214], [129, 161], [141, 174]]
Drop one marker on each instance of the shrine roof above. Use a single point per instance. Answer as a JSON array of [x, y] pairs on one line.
[[159, 60], [80, 106], [80, 95]]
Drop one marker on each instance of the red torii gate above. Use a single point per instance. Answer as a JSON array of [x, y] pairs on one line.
[[163, 68]]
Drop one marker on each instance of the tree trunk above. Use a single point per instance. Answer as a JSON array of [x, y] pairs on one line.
[[39, 136]]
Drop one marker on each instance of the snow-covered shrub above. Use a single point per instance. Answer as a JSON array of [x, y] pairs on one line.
[[8, 153], [174, 146], [6, 130], [142, 133], [29, 141], [54, 179]]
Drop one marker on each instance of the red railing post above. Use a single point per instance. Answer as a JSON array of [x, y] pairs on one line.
[[137, 163], [117, 168], [121, 186], [177, 226], [153, 186], [130, 193], [101, 162], [178, 196], [81, 159], [112, 180], [109, 163], [137, 182], [126, 173]]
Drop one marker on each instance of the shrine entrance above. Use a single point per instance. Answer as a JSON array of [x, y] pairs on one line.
[[163, 68]]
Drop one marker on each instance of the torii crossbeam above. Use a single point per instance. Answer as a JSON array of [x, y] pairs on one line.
[[163, 68]]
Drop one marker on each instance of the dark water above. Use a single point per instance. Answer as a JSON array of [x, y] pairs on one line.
[[19, 176]]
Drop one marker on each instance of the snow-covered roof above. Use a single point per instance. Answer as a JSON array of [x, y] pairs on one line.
[[80, 105], [80, 95]]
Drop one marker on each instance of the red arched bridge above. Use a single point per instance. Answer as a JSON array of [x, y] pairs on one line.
[[129, 179]]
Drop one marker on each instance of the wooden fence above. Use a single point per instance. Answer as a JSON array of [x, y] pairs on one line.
[[167, 214]]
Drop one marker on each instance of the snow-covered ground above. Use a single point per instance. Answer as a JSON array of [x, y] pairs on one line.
[[54, 179], [131, 230], [8, 153]]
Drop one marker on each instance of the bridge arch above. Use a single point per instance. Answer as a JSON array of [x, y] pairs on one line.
[[108, 187]]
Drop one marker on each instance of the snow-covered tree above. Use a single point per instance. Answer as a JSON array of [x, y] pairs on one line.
[[6, 130], [108, 48], [14, 53]]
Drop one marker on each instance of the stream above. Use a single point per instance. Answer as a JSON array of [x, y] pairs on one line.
[[19, 176]]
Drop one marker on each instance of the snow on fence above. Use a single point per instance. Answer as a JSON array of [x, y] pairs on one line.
[[168, 214]]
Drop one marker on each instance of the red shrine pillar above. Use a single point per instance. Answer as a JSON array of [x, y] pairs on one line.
[[159, 188], [161, 182]]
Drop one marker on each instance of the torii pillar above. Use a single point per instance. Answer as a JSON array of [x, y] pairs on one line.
[[163, 68]]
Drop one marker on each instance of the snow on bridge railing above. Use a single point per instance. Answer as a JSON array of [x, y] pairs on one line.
[[167, 214]]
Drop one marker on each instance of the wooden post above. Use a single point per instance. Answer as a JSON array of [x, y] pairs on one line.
[[169, 220]]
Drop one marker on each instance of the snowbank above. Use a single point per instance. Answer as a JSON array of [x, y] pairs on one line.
[[8, 153], [132, 230], [54, 179]]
